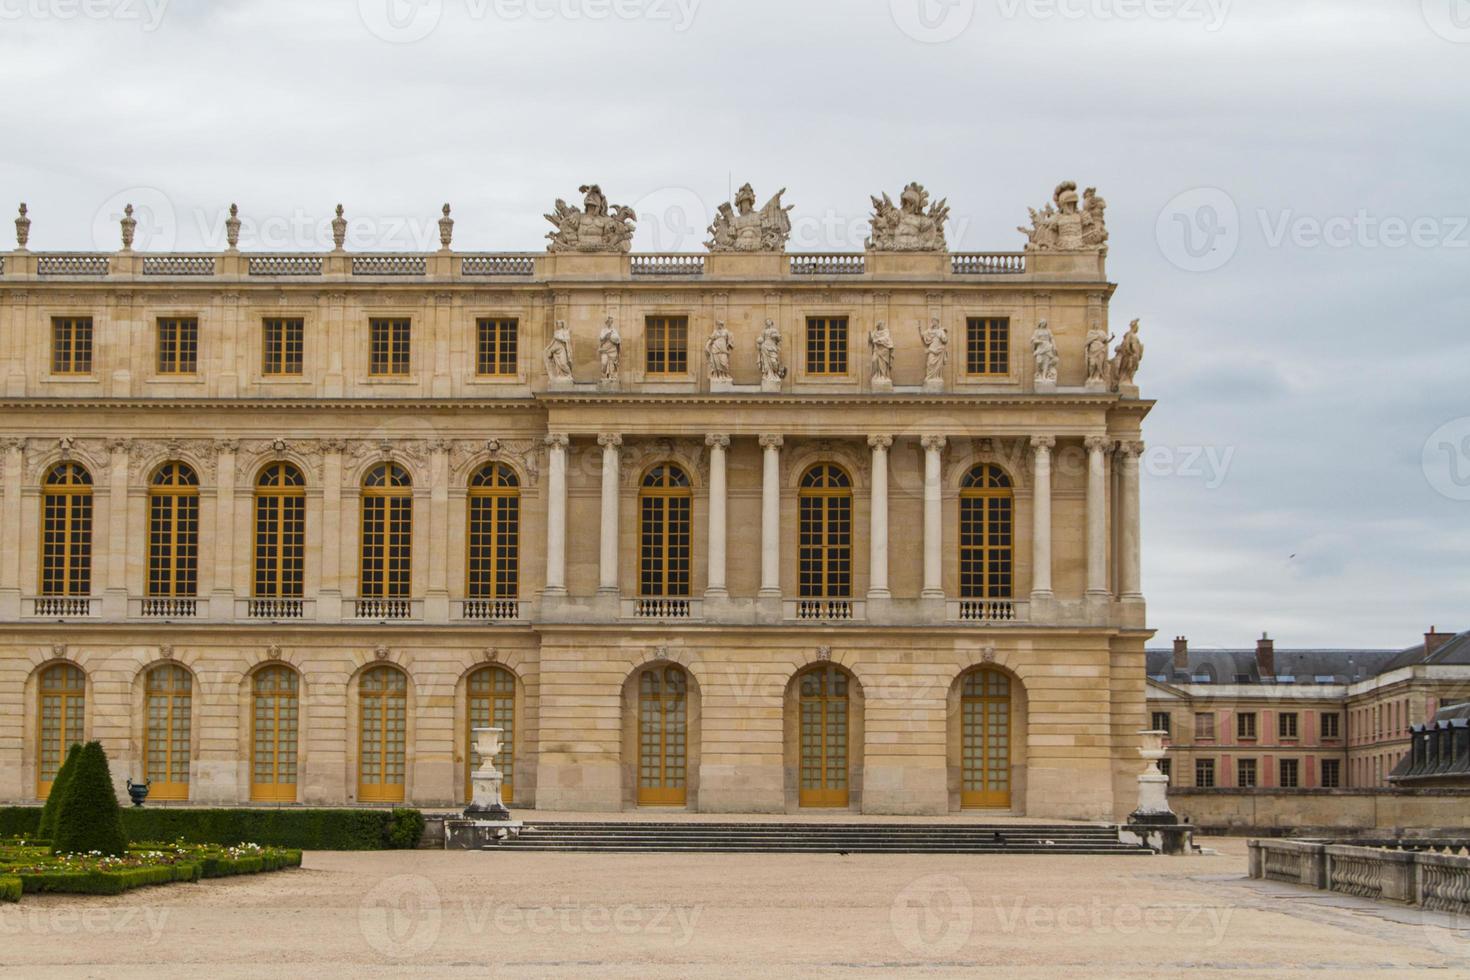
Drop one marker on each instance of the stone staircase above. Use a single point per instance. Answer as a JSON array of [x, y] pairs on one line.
[[816, 838]]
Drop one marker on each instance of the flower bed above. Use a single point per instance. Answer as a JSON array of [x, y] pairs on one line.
[[26, 868]]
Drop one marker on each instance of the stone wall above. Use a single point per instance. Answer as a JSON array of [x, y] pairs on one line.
[[1322, 811]]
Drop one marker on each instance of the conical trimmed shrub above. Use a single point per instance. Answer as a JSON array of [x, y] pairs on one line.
[[89, 818], [47, 828]]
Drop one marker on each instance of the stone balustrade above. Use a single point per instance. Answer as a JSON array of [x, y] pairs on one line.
[[178, 265], [1389, 871]]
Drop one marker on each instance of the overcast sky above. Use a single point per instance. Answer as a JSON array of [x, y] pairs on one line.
[[1286, 182]]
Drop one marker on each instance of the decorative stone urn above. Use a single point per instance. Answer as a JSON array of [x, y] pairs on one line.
[[138, 791], [1153, 785], [487, 802]]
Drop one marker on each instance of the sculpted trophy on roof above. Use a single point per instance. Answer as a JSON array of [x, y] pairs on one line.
[[592, 229], [913, 225], [744, 229], [1064, 226]]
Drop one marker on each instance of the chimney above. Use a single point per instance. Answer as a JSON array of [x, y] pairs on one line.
[[1266, 658], [1433, 640], [1181, 654]]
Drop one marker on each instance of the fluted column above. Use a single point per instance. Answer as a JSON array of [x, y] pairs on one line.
[[1097, 516], [329, 605], [436, 605], [718, 444], [878, 519], [933, 518], [223, 593], [607, 580], [556, 514], [771, 516], [10, 590], [1129, 515], [1041, 518]]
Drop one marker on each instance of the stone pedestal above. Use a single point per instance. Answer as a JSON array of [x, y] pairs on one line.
[[721, 386], [1128, 391], [771, 384], [884, 385], [487, 800], [1046, 387], [1153, 785]]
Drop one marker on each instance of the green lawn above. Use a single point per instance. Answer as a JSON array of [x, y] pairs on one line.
[[28, 867]]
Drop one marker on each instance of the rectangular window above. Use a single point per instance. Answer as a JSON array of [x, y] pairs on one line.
[[667, 342], [1204, 726], [1159, 722], [495, 346], [1289, 774], [388, 347], [1286, 725], [988, 345], [281, 345], [1245, 773], [1204, 773], [494, 545], [1245, 724], [178, 345], [1331, 724], [71, 345], [1166, 768], [826, 345], [1331, 774]]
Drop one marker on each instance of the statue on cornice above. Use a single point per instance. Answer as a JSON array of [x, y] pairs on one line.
[[1096, 354], [880, 340], [1063, 226], [768, 354], [558, 353], [718, 348], [592, 229], [936, 352], [1044, 352], [1126, 359], [609, 349], [744, 229], [908, 226]]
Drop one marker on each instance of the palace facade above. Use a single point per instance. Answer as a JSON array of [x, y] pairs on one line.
[[737, 531]]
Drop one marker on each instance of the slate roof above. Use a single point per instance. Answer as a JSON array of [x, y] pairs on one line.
[[1305, 666]]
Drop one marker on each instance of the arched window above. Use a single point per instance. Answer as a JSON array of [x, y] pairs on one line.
[[173, 532], [66, 531], [280, 532], [382, 735], [492, 704], [387, 533], [825, 533], [824, 730], [62, 693], [274, 732], [664, 507], [169, 697], [985, 733], [663, 736], [493, 557], [986, 519]]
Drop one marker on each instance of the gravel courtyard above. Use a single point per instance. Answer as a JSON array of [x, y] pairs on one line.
[[428, 913]]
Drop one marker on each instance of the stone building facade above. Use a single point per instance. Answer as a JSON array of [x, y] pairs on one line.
[[738, 531]]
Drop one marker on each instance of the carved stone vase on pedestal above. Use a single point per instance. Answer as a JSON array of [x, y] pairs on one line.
[[487, 801]]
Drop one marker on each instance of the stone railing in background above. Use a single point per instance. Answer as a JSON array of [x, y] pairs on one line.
[[497, 265], [389, 265], [987, 263], [1397, 873], [285, 265], [829, 264], [72, 265], [666, 264], [178, 265]]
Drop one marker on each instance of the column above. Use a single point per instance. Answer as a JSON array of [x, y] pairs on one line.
[[1129, 517], [10, 530], [222, 596], [607, 582], [115, 551], [933, 518], [436, 604], [329, 603], [1097, 523], [718, 444], [878, 519], [771, 516], [556, 514], [1041, 518]]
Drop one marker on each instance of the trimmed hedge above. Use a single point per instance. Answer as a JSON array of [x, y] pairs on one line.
[[47, 828], [10, 888], [106, 882], [88, 818], [307, 830]]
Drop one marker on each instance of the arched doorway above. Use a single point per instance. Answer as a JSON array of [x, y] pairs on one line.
[[168, 697], [62, 693], [986, 739], [490, 695], [663, 737], [275, 724], [382, 758], [824, 732]]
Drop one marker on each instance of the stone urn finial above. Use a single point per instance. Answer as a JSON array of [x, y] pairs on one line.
[[446, 229], [22, 229], [129, 228], [232, 228], [339, 229]]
